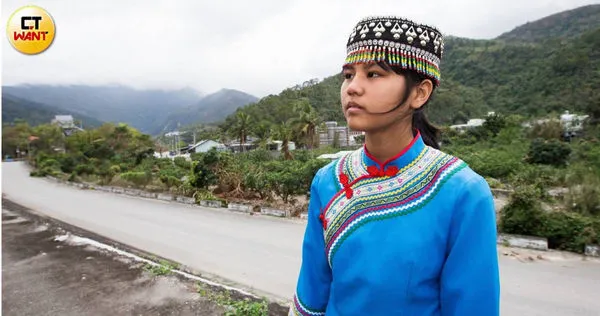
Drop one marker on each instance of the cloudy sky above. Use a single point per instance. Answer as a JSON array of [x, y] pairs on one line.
[[257, 46]]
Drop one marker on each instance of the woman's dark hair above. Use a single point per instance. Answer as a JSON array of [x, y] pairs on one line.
[[429, 132]]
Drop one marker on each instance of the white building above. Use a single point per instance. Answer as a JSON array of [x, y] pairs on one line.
[[346, 136], [472, 123], [67, 124], [277, 145], [171, 155], [206, 145], [572, 123]]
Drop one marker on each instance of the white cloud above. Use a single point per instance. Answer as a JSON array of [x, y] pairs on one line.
[[260, 46]]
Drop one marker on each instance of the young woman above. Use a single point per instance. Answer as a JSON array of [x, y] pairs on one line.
[[397, 227]]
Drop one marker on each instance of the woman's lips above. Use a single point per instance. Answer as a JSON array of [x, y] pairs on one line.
[[353, 107]]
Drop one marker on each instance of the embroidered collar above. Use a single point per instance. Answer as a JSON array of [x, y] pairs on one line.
[[360, 165], [391, 166]]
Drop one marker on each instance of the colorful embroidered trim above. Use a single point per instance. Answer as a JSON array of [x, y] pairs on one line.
[[299, 309], [387, 197], [419, 62]]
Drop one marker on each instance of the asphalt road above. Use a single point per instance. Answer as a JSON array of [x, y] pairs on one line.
[[263, 254]]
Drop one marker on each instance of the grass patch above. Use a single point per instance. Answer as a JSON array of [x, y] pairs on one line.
[[234, 307], [164, 267]]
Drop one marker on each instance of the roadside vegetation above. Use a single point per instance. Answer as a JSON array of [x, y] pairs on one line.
[[553, 183]]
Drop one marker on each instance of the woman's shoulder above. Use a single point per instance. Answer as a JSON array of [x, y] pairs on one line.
[[465, 179], [328, 171]]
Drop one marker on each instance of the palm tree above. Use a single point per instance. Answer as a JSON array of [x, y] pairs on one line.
[[306, 121], [284, 133], [241, 127], [262, 132]]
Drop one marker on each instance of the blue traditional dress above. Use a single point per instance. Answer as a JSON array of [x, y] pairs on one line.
[[415, 235]]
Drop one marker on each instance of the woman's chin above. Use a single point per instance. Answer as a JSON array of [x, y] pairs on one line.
[[357, 124]]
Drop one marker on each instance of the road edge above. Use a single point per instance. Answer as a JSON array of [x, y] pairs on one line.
[[200, 276]]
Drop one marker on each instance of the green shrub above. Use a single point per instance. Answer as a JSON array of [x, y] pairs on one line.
[[139, 179], [548, 152], [287, 177], [201, 176], [588, 152], [182, 163], [258, 181], [569, 231], [115, 169], [170, 181], [497, 163], [564, 230], [523, 214], [67, 163], [546, 130], [258, 156], [584, 191], [541, 177], [493, 183], [85, 169], [50, 163]]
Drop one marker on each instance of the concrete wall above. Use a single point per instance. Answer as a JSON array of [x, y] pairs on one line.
[[592, 250], [240, 207], [518, 241]]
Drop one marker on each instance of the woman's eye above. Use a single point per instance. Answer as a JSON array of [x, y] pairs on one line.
[[373, 74], [347, 76]]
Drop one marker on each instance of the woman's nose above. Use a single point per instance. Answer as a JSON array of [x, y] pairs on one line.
[[355, 86]]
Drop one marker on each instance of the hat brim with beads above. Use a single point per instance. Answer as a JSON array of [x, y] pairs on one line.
[[399, 42]]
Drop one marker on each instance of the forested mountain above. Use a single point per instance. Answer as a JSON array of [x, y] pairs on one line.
[[212, 108], [151, 111], [143, 109], [559, 71], [566, 24], [34, 113]]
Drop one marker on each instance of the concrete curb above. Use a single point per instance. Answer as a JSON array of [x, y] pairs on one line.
[[232, 206], [518, 241], [501, 192], [165, 197], [274, 212], [185, 199], [212, 203], [592, 250], [238, 207]]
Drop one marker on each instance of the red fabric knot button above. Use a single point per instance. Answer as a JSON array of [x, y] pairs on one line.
[[323, 220], [346, 183], [344, 179], [349, 192], [376, 172], [391, 171]]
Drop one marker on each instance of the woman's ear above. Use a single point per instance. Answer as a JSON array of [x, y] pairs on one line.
[[421, 94]]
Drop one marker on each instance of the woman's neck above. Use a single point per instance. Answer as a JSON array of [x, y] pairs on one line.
[[387, 143]]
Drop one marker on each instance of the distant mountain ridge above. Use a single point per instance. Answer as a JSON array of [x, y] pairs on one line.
[[566, 24], [150, 111], [34, 113], [212, 108]]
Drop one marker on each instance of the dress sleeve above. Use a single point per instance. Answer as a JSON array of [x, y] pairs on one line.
[[470, 282], [312, 289]]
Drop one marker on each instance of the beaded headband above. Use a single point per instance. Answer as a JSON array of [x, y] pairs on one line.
[[399, 42]]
